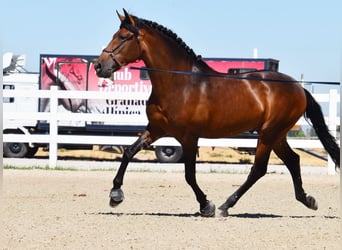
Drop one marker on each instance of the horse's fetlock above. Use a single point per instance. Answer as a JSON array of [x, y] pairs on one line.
[[301, 197]]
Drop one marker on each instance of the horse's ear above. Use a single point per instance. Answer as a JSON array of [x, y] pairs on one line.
[[128, 17], [121, 17]]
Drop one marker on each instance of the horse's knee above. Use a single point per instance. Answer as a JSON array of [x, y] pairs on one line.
[[139, 144], [128, 153]]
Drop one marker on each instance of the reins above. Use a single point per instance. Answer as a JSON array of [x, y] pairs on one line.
[[226, 76]]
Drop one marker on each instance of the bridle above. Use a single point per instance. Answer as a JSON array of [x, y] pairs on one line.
[[135, 33]]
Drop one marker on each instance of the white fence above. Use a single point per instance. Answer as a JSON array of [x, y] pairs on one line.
[[53, 139]]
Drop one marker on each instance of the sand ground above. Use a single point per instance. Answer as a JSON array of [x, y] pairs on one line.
[[42, 209]]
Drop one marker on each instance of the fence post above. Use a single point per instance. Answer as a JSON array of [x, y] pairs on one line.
[[53, 127], [332, 125]]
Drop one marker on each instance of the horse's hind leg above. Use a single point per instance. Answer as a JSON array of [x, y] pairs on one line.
[[116, 194], [258, 170], [291, 160]]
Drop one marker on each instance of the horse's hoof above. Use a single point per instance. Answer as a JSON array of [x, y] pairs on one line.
[[208, 210], [223, 211], [116, 197], [311, 203]]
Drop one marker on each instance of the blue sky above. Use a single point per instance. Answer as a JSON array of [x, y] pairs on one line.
[[304, 35]]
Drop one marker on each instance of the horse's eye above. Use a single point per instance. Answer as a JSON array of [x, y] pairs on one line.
[[122, 37]]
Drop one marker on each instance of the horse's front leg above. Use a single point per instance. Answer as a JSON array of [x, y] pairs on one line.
[[116, 194], [207, 208]]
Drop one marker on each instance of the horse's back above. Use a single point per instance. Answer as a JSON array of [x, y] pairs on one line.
[[255, 100], [276, 84]]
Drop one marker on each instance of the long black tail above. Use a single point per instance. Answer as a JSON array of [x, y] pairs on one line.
[[314, 113]]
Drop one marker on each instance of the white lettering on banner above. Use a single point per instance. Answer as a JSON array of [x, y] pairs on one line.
[[137, 87], [123, 75]]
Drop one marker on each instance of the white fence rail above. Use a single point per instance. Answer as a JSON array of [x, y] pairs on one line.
[[53, 138]]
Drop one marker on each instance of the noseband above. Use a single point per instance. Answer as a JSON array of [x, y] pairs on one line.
[[135, 33]]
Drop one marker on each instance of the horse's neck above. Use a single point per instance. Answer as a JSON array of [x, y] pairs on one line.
[[168, 55], [161, 53], [165, 57]]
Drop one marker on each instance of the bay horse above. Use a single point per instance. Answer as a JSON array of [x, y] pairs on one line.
[[201, 102]]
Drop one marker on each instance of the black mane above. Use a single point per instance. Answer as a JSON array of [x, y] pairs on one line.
[[141, 22]]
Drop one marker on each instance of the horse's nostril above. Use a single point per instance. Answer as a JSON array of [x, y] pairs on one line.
[[97, 66]]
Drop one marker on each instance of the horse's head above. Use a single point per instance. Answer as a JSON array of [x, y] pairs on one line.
[[122, 49]]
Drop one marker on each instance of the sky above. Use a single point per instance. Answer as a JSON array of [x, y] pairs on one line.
[[305, 36]]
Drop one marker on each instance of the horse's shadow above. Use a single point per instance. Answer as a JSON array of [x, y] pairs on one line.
[[149, 214], [245, 215], [189, 215]]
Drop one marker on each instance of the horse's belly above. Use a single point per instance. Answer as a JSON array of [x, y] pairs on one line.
[[227, 129]]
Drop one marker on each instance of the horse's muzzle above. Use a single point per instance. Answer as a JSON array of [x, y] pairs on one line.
[[102, 71]]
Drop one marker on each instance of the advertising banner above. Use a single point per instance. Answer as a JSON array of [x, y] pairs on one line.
[[78, 73]]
